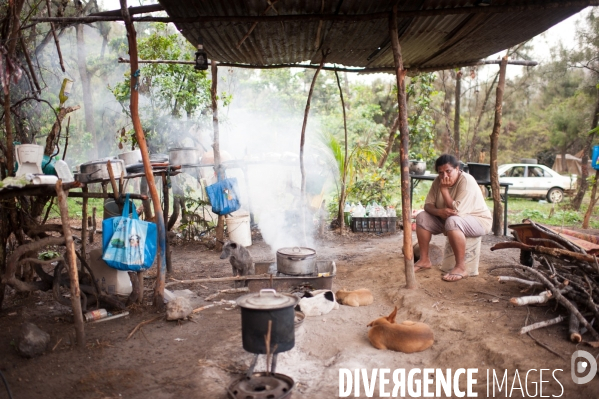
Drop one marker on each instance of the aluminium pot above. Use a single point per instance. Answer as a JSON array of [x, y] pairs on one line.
[[184, 156], [98, 170], [257, 309], [296, 260]]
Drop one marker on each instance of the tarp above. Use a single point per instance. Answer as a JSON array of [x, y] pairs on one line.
[[574, 164]]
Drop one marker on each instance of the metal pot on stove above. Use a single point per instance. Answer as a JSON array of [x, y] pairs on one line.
[[296, 260], [257, 309]]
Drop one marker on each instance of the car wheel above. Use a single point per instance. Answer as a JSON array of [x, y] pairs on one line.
[[555, 195]]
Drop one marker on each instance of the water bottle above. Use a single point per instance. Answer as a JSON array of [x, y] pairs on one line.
[[63, 171]]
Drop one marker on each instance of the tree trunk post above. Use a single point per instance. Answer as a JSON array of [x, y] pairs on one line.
[[583, 185], [456, 119], [220, 173], [71, 261], [593, 201], [84, 226], [406, 209], [497, 206], [141, 141], [344, 171], [303, 141]]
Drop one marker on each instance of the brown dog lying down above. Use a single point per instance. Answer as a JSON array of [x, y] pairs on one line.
[[407, 337], [361, 297]]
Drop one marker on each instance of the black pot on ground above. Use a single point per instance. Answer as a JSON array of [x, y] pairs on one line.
[[257, 310]]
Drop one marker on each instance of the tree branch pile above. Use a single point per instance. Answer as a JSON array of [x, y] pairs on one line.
[[560, 271]]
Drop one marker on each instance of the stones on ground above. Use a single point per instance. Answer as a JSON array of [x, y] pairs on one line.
[[177, 309], [33, 341]]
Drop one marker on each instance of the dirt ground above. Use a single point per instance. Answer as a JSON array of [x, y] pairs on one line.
[[473, 322]]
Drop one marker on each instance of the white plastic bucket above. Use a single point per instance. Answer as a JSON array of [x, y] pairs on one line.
[[472, 256], [238, 229]]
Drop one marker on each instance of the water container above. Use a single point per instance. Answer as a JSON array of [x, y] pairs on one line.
[[595, 162], [238, 228], [63, 171], [111, 280]]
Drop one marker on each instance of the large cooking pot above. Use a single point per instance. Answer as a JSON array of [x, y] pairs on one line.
[[184, 156], [131, 157], [296, 260], [257, 309], [98, 170]]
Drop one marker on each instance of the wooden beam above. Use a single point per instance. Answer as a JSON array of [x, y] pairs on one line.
[[132, 11], [411, 71], [406, 208], [540, 5]]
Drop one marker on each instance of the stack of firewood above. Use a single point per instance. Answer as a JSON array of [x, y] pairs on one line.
[[555, 268]]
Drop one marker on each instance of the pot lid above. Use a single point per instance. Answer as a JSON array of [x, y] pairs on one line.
[[266, 299], [296, 251], [183, 149]]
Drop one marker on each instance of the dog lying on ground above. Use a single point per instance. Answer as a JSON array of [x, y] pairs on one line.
[[239, 257], [317, 303], [407, 337], [361, 297]]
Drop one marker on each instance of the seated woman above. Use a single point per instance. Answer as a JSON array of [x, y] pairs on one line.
[[455, 207]]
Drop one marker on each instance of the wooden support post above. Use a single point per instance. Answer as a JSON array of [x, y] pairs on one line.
[[141, 141], [71, 261], [302, 143], [456, 119], [406, 208], [115, 190], [497, 206], [84, 224], [341, 214], [592, 202], [165, 201], [220, 175]]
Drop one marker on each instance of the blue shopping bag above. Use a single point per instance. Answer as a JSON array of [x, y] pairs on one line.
[[129, 243], [224, 196]]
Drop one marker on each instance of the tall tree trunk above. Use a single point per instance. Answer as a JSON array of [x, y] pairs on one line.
[[390, 141], [406, 209], [456, 119], [143, 146], [583, 185], [344, 173], [497, 206], [88, 104]]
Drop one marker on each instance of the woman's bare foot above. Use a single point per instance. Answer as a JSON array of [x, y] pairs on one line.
[[422, 265]]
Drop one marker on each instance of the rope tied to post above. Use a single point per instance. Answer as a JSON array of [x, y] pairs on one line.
[[136, 76]]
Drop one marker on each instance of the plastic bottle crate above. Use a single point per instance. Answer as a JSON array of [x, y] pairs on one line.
[[374, 225]]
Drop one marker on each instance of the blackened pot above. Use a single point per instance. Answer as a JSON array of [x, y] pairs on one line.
[[257, 310]]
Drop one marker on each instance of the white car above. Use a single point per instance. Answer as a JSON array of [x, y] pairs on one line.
[[535, 181]]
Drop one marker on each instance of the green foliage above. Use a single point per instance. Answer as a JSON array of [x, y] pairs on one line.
[[378, 185], [533, 214], [47, 255], [421, 123], [175, 94]]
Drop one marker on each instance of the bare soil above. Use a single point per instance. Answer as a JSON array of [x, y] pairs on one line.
[[474, 326]]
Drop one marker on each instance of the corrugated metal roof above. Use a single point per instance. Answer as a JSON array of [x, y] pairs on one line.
[[426, 41]]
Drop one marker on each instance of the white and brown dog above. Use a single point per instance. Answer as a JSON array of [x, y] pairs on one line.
[[407, 337]]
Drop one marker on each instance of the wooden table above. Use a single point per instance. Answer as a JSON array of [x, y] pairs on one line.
[[486, 183]]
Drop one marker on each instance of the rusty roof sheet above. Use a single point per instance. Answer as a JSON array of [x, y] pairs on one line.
[[428, 42]]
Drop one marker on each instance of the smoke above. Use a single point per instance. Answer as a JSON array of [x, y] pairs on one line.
[[268, 140]]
